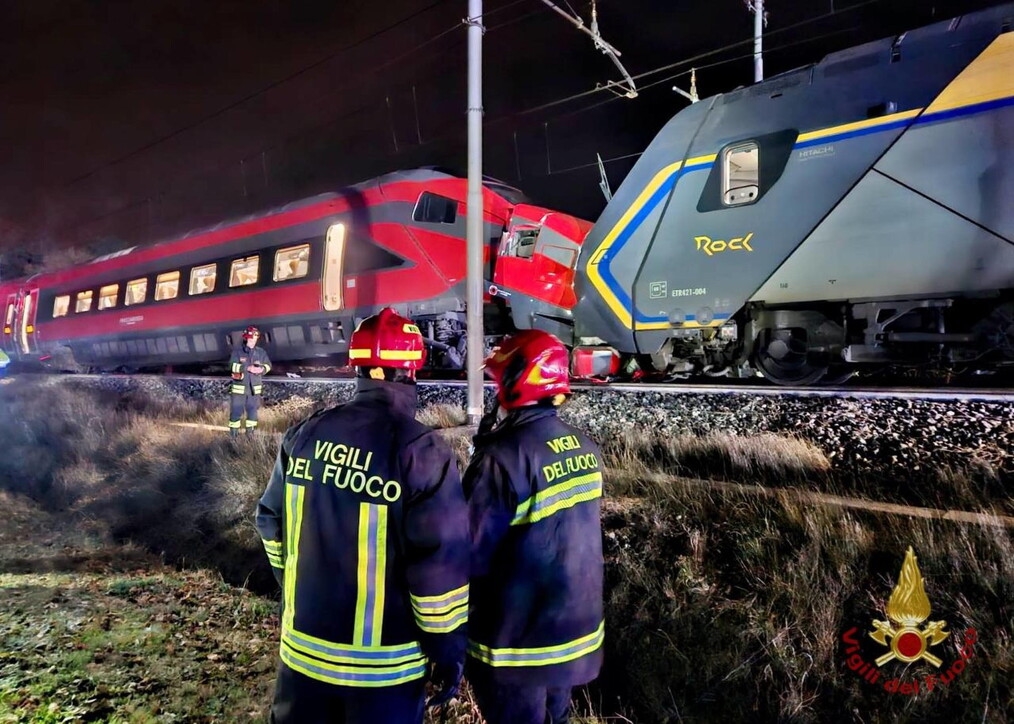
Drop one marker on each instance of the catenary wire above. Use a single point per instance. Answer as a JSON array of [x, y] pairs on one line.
[[496, 121]]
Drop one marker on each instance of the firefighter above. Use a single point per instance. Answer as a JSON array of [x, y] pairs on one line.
[[249, 364], [533, 487], [365, 525], [4, 361]]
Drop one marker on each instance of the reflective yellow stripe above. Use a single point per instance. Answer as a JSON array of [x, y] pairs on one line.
[[388, 354], [561, 496], [362, 574], [440, 602], [441, 613], [234, 424], [379, 574], [274, 550], [539, 656], [371, 574], [294, 496], [350, 654], [238, 389], [367, 677]]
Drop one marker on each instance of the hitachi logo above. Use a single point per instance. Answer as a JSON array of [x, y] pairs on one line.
[[716, 246]]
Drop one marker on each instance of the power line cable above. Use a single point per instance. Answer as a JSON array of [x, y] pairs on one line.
[[693, 59], [544, 106], [292, 76], [252, 95]]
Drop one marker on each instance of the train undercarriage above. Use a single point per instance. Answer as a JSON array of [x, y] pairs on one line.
[[832, 342]]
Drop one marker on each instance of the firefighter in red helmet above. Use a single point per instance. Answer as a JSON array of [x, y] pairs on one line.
[[533, 487], [248, 364], [365, 525]]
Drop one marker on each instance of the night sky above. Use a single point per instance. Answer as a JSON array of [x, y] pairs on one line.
[[126, 122]]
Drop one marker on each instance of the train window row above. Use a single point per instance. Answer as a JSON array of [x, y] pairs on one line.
[[290, 263]]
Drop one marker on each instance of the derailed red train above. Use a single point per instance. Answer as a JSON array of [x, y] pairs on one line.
[[305, 274]]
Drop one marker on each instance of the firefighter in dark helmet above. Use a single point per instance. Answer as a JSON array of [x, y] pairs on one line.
[[248, 364], [366, 528], [533, 487]]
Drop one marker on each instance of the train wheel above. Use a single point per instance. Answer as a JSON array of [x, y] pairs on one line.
[[783, 357], [838, 375]]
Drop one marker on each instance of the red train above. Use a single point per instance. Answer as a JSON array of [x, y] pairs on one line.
[[305, 273]]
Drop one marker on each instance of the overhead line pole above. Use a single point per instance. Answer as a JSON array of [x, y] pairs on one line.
[[758, 40], [473, 221]]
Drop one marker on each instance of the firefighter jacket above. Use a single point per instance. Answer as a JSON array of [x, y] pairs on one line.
[[533, 487], [366, 527], [244, 382], [4, 359]]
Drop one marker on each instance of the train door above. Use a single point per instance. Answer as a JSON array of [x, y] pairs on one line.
[[7, 338], [333, 278], [26, 322]]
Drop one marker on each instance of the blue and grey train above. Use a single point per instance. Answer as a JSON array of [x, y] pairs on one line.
[[856, 212]]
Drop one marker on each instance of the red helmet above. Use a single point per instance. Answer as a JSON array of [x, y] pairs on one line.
[[251, 331], [527, 367], [387, 340]]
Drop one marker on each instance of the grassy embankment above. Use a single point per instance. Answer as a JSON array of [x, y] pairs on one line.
[[127, 540]]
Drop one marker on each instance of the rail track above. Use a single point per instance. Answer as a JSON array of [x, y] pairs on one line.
[[739, 388]]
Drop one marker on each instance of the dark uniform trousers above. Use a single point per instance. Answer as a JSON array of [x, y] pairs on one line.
[[246, 388], [509, 704], [302, 700], [240, 402]]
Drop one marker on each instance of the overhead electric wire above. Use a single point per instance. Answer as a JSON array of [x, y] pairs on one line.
[[669, 79], [290, 77], [250, 96], [487, 123], [693, 59]]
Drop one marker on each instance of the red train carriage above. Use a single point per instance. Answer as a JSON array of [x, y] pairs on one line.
[[306, 274]]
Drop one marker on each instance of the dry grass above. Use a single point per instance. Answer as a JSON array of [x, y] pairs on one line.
[[721, 603], [759, 458]]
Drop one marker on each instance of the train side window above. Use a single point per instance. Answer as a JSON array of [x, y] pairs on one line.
[[61, 305], [244, 271], [435, 209], [167, 286], [202, 279], [107, 296], [84, 302], [521, 242], [137, 291], [740, 174], [292, 262]]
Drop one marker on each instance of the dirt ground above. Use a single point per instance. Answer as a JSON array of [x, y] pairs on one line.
[[91, 631]]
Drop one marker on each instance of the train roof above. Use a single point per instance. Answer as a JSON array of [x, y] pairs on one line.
[[417, 175], [994, 20]]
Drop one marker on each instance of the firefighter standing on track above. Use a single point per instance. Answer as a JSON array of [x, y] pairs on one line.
[[365, 525], [533, 485], [248, 364]]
